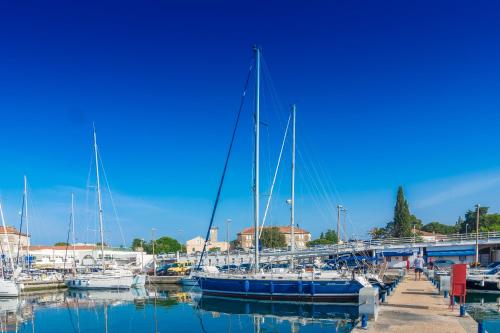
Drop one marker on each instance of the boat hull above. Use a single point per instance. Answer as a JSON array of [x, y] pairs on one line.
[[344, 291], [8, 288], [97, 282], [478, 285]]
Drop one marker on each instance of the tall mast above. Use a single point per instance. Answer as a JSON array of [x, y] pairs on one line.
[[256, 158], [6, 239], [27, 220], [99, 201], [73, 229], [292, 209]]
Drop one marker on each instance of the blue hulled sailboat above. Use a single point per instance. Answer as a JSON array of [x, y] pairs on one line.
[[301, 286]]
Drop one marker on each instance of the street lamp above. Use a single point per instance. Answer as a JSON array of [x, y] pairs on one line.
[[154, 257], [414, 234], [466, 226], [227, 240], [142, 253], [339, 207]]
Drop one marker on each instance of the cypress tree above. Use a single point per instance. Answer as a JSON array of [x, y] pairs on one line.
[[402, 217]]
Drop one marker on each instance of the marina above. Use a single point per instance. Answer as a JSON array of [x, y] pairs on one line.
[[260, 167]]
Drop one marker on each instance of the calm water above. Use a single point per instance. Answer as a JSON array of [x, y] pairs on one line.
[[172, 310], [485, 307]]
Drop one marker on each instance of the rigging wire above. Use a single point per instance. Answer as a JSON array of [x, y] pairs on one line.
[[274, 177], [226, 163], [112, 201]]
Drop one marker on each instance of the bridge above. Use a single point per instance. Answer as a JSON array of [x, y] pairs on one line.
[[369, 247]]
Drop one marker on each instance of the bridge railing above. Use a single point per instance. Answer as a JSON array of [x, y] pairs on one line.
[[365, 245]]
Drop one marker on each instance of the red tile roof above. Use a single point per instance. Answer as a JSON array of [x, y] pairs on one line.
[[10, 230], [60, 247], [425, 233], [284, 230]]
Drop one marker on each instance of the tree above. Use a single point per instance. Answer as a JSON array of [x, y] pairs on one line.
[[272, 238], [439, 228], [377, 233], [167, 244], [402, 217], [61, 244], [234, 244], [329, 237], [487, 222], [137, 243]]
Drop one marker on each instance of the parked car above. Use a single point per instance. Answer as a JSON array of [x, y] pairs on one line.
[[180, 268], [163, 270]]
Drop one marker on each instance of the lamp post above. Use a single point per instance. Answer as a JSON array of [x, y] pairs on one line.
[[466, 226], [227, 240], [339, 207], [344, 210], [142, 254], [154, 257], [477, 235], [414, 234]]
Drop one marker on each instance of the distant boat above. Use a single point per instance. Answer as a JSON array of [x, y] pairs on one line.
[[8, 285], [486, 282], [106, 278], [314, 286]]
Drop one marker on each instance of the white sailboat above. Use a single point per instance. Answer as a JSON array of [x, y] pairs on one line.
[[8, 286], [107, 278]]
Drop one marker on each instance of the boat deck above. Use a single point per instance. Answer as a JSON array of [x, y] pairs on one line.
[[416, 306]]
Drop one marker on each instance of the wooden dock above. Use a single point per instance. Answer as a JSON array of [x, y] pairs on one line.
[[416, 306]]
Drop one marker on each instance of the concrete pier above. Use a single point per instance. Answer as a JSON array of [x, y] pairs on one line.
[[164, 279], [417, 306]]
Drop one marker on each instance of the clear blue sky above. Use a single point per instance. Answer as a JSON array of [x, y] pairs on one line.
[[388, 93]]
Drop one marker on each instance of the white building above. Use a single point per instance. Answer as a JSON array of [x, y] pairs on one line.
[[11, 239], [59, 257], [195, 245]]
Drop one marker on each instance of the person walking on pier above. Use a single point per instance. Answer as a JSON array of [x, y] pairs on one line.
[[419, 266]]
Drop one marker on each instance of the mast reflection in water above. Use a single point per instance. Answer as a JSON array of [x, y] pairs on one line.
[[166, 310]]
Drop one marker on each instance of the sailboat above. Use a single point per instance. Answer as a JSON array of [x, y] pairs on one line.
[[8, 285], [315, 286], [115, 278]]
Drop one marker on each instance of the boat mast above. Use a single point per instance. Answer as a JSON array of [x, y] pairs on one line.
[[292, 209], [256, 157], [27, 220], [99, 201], [6, 239], [73, 230]]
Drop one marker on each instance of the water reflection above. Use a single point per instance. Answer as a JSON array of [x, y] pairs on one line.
[[338, 316], [165, 309]]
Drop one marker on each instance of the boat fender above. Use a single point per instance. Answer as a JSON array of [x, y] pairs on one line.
[[300, 287], [247, 286], [313, 288], [271, 287], [482, 283]]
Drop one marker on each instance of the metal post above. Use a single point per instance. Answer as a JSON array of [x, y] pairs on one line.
[[344, 210], [154, 257], [142, 254], [339, 207], [477, 235], [256, 157], [292, 208], [227, 240], [99, 201], [27, 221]]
